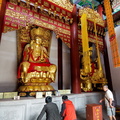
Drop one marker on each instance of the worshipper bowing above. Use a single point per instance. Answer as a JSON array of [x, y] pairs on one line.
[[51, 109], [68, 110]]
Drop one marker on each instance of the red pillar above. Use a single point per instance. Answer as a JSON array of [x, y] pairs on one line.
[[2, 14], [75, 60], [100, 10], [60, 74]]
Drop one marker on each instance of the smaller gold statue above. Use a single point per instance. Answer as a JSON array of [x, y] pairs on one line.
[[35, 71], [91, 72]]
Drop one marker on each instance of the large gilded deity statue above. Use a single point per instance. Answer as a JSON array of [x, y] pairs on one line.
[[91, 72], [35, 71]]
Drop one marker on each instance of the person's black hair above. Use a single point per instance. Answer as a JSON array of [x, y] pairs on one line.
[[64, 97], [48, 99]]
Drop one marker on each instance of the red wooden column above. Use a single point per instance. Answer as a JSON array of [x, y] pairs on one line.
[[75, 61], [2, 14], [60, 73]]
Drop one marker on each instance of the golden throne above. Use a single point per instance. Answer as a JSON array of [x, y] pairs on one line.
[[35, 72]]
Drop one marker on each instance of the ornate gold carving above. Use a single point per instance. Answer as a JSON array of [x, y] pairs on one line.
[[31, 13], [23, 4], [39, 1], [91, 71], [36, 5], [11, 6], [8, 29], [13, 24], [36, 21], [44, 18], [52, 6], [36, 15], [25, 11], [91, 39], [24, 35], [63, 3], [22, 94], [34, 88], [92, 15], [68, 14], [13, 1], [32, 93], [63, 12], [57, 9], [7, 23], [9, 19], [46, 4]]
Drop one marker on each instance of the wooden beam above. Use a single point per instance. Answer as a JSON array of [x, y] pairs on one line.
[[2, 14]]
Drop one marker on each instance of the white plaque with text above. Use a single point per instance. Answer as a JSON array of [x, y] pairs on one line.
[[1, 95], [63, 92], [39, 94], [48, 94]]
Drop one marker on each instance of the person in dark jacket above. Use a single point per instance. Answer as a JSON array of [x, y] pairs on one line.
[[68, 110], [51, 109]]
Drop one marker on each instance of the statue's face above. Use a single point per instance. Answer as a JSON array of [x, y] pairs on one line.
[[38, 40]]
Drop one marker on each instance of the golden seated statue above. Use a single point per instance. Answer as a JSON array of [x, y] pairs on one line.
[[35, 72]]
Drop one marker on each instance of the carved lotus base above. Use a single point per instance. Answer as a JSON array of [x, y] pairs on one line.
[[35, 88]]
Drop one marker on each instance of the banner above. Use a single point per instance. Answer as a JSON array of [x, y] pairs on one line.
[[112, 35]]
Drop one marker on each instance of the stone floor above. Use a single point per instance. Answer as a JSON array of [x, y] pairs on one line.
[[105, 117]]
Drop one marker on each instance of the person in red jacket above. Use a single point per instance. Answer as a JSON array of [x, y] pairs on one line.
[[68, 110]]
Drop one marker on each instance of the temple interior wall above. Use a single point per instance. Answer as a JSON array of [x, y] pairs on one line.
[[115, 72], [8, 62], [29, 108]]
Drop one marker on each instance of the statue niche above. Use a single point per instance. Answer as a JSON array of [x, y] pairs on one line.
[[91, 72], [35, 72]]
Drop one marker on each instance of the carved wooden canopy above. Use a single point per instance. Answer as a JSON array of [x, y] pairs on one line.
[[55, 15]]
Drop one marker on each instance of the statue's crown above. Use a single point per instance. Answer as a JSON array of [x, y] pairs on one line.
[[37, 32], [41, 32]]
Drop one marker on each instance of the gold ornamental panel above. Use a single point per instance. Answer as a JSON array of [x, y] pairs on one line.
[[92, 15], [63, 3]]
